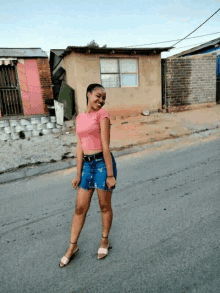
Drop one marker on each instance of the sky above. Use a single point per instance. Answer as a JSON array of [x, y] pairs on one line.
[[58, 24]]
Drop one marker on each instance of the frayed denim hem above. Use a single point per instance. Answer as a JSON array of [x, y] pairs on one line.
[[85, 188], [95, 188]]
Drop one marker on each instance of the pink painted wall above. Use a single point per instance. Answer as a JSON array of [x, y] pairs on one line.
[[30, 87]]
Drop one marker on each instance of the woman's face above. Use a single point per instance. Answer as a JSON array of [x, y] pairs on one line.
[[96, 98]]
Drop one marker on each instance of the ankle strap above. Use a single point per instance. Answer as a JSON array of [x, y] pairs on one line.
[[104, 237], [73, 242]]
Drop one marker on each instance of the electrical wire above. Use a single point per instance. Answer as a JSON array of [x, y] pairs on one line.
[[180, 40], [172, 40], [188, 46], [133, 46], [197, 27]]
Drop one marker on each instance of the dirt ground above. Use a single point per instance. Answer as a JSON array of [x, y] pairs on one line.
[[138, 129], [160, 126]]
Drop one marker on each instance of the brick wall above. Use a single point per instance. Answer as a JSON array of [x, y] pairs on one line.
[[45, 80], [190, 80]]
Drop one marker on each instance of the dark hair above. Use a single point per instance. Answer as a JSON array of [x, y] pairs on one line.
[[91, 88]]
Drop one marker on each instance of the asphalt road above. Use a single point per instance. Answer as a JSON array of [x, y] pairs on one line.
[[165, 234]]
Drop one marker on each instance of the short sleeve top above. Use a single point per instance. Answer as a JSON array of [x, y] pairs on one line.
[[88, 129]]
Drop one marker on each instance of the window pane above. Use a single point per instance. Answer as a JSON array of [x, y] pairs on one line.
[[110, 80], [109, 65], [129, 80], [128, 65]]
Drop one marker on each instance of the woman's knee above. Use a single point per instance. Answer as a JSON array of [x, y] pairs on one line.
[[105, 208], [81, 209]]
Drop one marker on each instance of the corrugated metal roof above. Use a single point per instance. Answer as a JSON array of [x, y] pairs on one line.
[[23, 52], [213, 49], [128, 51], [210, 44]]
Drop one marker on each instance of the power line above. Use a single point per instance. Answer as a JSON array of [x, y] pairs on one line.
[[172, 40], [197, 27], [168, 42], [188, 46], [171, 49]]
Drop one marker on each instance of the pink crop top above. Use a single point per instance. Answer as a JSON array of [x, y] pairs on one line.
[[88, 129]]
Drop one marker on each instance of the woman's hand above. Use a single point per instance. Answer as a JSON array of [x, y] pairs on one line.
[[76, 181], [111, 182]]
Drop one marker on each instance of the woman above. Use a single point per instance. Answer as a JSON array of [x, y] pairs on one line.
[[96, 169]]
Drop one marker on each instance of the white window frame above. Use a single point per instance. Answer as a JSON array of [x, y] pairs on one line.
[[119, 60]]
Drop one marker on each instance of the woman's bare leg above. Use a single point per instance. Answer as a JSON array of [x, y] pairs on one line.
[[107, 214], [82, 205]]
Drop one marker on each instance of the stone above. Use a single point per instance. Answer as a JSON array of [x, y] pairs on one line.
[[172, 133], [19, 128], [45, 120], [7, 129], [14, 122], [56, 130], [59, 126], [35, 120], [24, 122], [27, 134], [31, 127], [4, 136], [15, 135], [47, 131], [4, 123], [52, 119], [35, 132], [41, 126], [146, 112], [51, 125]]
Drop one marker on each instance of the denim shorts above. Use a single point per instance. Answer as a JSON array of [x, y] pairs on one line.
[[94, 174]]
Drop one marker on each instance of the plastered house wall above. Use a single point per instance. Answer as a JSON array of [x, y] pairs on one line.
[[83, 69]]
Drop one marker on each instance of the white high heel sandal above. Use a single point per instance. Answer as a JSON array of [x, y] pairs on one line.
[[65, 260], [103, 251]]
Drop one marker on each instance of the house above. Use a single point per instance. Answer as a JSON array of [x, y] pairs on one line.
[[131, 76], [25, 82], [208, 47], [192, 76]]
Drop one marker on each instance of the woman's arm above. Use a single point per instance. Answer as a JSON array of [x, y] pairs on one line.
[[79, 159], [79, 156], [105, 138]]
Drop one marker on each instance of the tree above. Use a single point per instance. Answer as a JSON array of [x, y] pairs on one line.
[[93, 44]]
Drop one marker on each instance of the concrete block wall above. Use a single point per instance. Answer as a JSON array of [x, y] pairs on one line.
[[190, 80], [13, 129]]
